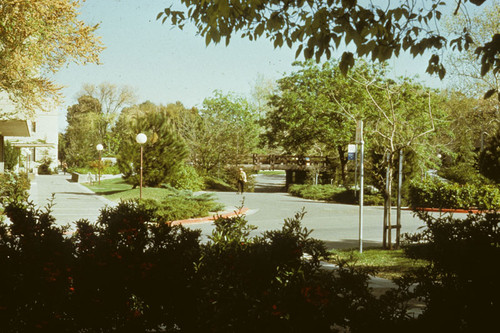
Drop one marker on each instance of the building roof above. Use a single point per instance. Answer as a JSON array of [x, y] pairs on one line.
[[14, 128]]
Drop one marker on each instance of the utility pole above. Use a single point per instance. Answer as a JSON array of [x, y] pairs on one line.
[[359, 140]]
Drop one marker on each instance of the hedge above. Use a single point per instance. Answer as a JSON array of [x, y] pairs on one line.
[[441, 195]]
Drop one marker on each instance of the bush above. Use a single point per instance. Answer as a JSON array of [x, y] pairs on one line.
[[132, 273], [183, 204], [187, 179], [13, 188], [334, 194], [460, 285], [217, 184], [44, 167], [437, 194]]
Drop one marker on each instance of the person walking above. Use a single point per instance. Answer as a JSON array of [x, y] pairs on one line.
[[242, 179]]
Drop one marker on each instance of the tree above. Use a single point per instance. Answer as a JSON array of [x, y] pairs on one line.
[[314, 112], [11, 156], [82, 134], [468, 124], [227, 133], [164, 151], [465, 68], [407, 115], [489, 158], [318, 27], [112, 100], [36, 39]]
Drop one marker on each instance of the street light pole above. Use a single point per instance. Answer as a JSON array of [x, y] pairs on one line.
[[99, 148], [141, 139]]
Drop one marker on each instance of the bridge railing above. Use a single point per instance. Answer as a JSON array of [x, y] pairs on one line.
[[290, 161]]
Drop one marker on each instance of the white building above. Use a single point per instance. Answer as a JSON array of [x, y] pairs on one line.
[[37, 138]]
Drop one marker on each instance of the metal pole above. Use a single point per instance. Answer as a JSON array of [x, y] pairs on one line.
[[361, 195], [140, 188], [359, 135], [356, 173], [400, 182], [99, 168]]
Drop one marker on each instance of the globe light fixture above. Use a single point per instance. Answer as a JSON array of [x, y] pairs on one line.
[[99, 148], [141, 139]]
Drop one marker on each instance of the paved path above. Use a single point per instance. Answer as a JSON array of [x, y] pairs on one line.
[[72, 201], [336, 224]]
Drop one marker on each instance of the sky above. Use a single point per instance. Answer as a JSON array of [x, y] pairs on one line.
[[164, 65]]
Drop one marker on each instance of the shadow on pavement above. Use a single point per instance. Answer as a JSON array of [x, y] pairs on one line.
[[350, 244]]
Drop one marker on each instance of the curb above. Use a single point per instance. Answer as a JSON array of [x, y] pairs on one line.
[[450, 210], [240, 211]]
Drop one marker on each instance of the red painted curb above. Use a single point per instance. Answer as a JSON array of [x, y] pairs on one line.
[[241, 211], [449, 210]]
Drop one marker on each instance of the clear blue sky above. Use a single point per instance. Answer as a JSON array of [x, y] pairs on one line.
[[164, 64]]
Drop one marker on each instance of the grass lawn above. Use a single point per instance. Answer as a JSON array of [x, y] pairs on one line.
[[388, 264], [116, 189]]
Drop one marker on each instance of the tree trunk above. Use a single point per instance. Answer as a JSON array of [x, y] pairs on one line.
[[343, 164], [387, 240]]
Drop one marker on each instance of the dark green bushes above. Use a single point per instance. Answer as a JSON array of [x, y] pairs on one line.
[[44, 167], [183, 204], [460, 285], [437, 194], [334, 194], [131, 273]]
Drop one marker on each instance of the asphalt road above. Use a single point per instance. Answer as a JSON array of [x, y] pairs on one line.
[[269, 206], [336, 224]]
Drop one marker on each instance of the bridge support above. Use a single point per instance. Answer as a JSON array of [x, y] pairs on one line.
[[295, 177]]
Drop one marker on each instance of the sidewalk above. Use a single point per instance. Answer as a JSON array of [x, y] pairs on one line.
[[72, 201]]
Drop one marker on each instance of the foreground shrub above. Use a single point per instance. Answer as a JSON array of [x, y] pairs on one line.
[[460, 285], [14, 187], [437, 194], [132, 273], [36, 274]]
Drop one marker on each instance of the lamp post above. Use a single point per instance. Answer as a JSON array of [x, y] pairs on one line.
[[99, 148], [141, 139]]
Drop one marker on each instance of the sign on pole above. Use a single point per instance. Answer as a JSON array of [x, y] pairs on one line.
[[351, 152]]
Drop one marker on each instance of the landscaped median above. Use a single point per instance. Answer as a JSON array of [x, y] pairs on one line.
[[171, 205]]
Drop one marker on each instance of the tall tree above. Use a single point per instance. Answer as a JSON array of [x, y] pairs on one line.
[[37, 37], [112, 100], [314, 111], [407, 115], [489, 158], [82, 134], [164, 151], [227, 132], [318, 27], [465, 68]]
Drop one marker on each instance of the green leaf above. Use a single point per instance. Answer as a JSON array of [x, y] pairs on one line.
[[259, 29], [346, 62], [299, 49], [489, 93]]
